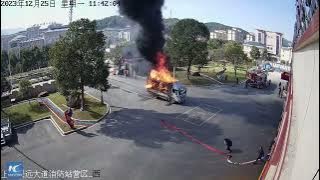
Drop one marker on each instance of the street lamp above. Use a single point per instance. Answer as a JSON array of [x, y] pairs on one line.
[[10, 70]]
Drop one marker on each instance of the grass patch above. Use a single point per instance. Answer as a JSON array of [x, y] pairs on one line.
[[93, 109], [213, 68], [194, 80], [26, 112]]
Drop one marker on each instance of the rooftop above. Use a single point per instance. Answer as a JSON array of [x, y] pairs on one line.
[[253, 43], [19, 37], [269, 31], [57, 30]]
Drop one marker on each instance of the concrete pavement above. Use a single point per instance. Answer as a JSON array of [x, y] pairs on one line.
[[131, 144]]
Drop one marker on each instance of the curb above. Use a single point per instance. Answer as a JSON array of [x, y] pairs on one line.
[[72, 131], [63, 133], [57, 126]]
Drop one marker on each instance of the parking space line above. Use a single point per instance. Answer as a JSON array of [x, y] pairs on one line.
[[216, 113], [204, 107]]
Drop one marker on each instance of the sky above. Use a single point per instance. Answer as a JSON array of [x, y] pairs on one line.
[[272, 15]]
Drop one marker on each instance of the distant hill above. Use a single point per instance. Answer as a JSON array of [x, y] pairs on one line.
[[122, 22], [212, 26], [114, 22]]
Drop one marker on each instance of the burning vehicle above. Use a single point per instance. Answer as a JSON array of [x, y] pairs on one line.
[[150, 43], [162, 84], [257, 79]]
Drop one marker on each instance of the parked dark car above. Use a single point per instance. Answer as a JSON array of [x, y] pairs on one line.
[[6, 130]]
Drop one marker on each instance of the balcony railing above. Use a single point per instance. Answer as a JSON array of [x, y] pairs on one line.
[[305, 9]]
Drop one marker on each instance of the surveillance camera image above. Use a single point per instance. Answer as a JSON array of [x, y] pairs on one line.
[[160, 89]]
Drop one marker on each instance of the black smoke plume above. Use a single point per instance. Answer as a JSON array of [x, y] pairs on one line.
[[148, 14]]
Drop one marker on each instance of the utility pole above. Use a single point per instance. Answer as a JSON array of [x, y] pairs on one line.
[[70, 11], [10, 70]]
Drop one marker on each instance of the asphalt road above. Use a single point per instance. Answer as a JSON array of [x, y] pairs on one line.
[[131, 144]]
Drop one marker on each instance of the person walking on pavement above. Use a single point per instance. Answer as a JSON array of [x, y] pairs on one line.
[[228, 144], [280, 93], [260, 155]]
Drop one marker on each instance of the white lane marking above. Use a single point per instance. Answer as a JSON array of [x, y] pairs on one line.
[[201, 107]]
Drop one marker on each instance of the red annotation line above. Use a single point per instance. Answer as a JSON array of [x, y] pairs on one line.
[[210, 148]]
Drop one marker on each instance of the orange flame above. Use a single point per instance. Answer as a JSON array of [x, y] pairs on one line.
[[160, 75]]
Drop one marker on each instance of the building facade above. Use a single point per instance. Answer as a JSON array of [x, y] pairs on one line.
[[32, 43], [250, 37], [235, 34], [272, 41], [286, 54], [219, 34], [33, 32], [52, 36], [247, 47]]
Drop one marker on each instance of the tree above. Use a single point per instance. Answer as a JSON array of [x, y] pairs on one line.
[[28, 60], [77, 56], [13, 61], [217, 54], [101, 74], [5, 85], [215, 44], [247, 60], [4, 63], [255, 53], [115, 55], [234, 54], [265, 55], [24, 88], [187, 44]]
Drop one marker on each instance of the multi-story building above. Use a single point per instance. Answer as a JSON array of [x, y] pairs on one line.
[[286, 54], [219, 34], [32, 43], [51, 36], [117, 35], [272, 41], [250, 37], [235, 34], [33, 32], [124, 35], [247, 47]]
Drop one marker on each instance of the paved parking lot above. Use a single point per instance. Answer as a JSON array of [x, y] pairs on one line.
[[131, 144]]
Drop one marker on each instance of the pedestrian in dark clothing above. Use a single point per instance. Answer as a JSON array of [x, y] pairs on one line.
[[280, 93], [280, 85], [260, 154], [228, 144], [70, 112]]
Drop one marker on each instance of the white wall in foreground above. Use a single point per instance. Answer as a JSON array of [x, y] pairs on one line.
[[302, 158]]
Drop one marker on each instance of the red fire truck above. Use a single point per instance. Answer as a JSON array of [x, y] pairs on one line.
[[257, 79]]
